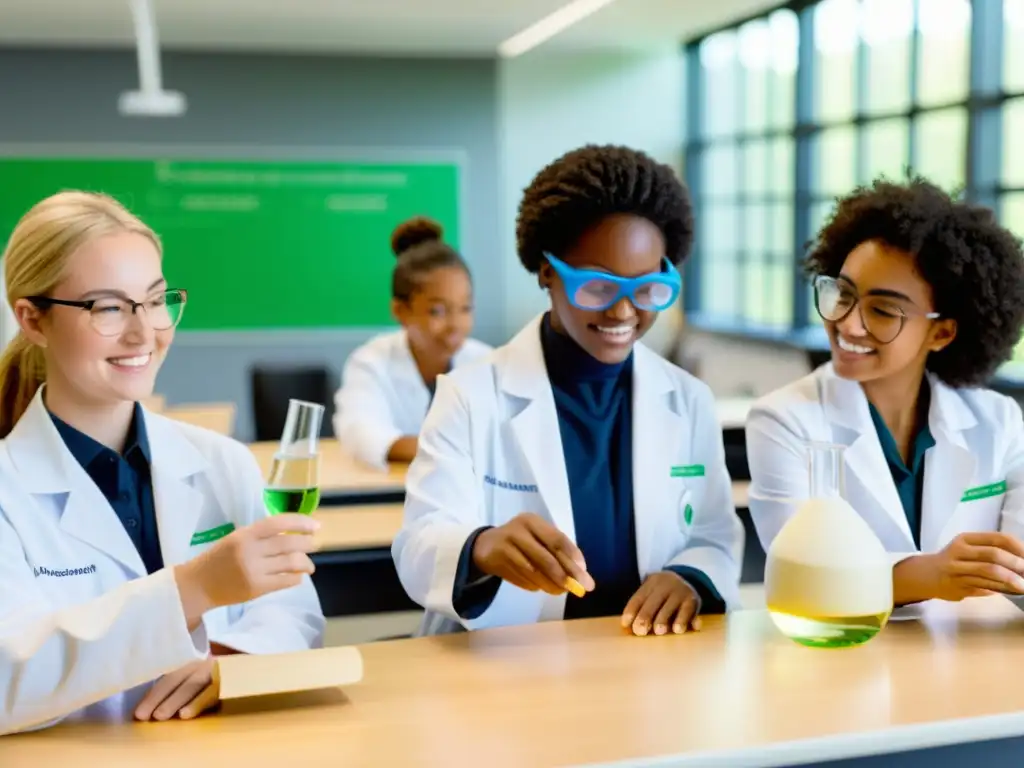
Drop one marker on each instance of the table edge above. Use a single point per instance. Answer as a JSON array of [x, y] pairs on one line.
[[900, 738]]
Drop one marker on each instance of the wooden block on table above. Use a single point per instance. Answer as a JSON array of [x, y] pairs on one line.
[[243, 675]]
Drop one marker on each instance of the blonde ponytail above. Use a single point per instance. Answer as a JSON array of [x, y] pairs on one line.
[[22, 372], [34, 263]]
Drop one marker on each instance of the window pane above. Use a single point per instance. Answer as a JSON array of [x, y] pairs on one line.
[[720, 68], [719, 230], [720, 171], [835, 157], [755, 231], [944, 53], [942, 147], [836, 24], [818, 213], [755, 57], [813, 318], [783, 163], [755, 168], [718, 285], [1013, 218], [784, 29], [886, 147], [1013, 52], [780, 294], [755, 291], [781, 226], [1013, 143], [888, 27]]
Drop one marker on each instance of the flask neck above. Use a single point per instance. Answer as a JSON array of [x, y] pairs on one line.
[[826, 471]]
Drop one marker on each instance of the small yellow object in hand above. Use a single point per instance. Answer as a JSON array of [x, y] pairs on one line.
[[574, 586]]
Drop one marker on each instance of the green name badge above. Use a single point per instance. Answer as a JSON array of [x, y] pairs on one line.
[[691, 470], [205, 537], [984, 491]]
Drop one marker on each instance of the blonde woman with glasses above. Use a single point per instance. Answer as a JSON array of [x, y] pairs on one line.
[[133, 549]]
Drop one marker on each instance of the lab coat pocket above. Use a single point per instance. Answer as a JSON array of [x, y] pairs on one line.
[[977, 514]]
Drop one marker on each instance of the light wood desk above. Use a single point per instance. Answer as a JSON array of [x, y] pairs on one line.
[[340, 473], [369, 526], [361, 526], [580, 693]]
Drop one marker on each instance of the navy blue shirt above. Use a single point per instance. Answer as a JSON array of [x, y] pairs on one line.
[[908, 477], [593, 401], [125, 481]]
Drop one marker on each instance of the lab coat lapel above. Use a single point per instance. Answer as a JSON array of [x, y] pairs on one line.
[[47, 468], [534, 424], [659, 437], [847, 410], [175, 463], [949, 465]]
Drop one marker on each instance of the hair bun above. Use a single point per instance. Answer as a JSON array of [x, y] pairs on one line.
[[415, 231]]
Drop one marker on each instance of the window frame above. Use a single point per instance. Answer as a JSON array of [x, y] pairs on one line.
[[983, 183]]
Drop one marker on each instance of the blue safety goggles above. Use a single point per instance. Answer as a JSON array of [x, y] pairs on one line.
[[597, 291]]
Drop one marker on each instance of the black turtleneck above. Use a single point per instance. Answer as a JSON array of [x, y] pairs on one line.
[[594, 405]]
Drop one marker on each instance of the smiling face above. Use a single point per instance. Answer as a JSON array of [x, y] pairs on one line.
[[889, 290], [86, 366], [623, 245], [438, 317]]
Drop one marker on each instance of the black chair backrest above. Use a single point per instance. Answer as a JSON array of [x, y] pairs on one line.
[[272, 388]]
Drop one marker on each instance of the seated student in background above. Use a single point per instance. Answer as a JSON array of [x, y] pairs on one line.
[[576, 458], [387, 384], [923, 299], [132, 548]]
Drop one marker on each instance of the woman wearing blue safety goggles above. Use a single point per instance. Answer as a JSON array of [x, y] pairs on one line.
[[574, 461]]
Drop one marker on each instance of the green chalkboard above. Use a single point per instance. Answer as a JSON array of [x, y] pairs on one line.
[[260, 245]]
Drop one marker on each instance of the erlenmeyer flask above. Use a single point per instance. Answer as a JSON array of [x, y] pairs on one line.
[[828, 579]]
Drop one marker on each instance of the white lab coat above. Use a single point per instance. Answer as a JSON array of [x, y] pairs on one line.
[[83, 629], [490, 449], [979, 441], [383, 397]]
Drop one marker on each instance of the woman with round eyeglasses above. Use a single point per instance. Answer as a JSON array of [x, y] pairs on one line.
[[922, 297], [133, 549], [574, 472]]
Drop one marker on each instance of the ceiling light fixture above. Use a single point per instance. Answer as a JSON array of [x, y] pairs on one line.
[[549, 26], [151, 100]]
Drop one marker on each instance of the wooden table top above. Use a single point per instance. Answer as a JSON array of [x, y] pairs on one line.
[[359, 526], [570, 693], [370, 526], [340, 473]]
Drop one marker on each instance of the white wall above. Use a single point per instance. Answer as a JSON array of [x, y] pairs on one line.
[[551, 103]]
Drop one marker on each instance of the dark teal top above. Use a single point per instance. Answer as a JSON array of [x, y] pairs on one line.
[[125, 481], [909, 479]]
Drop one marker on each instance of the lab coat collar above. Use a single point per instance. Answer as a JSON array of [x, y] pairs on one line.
[[949, 465], [523, 378], [179, 504], [45, 466], [659, 431]]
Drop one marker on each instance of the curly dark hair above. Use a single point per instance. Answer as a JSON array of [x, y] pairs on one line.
[[584, 186], [974, 266]]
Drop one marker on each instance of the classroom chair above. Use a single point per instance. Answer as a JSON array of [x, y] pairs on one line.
[[217, 417], [272, 388]]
